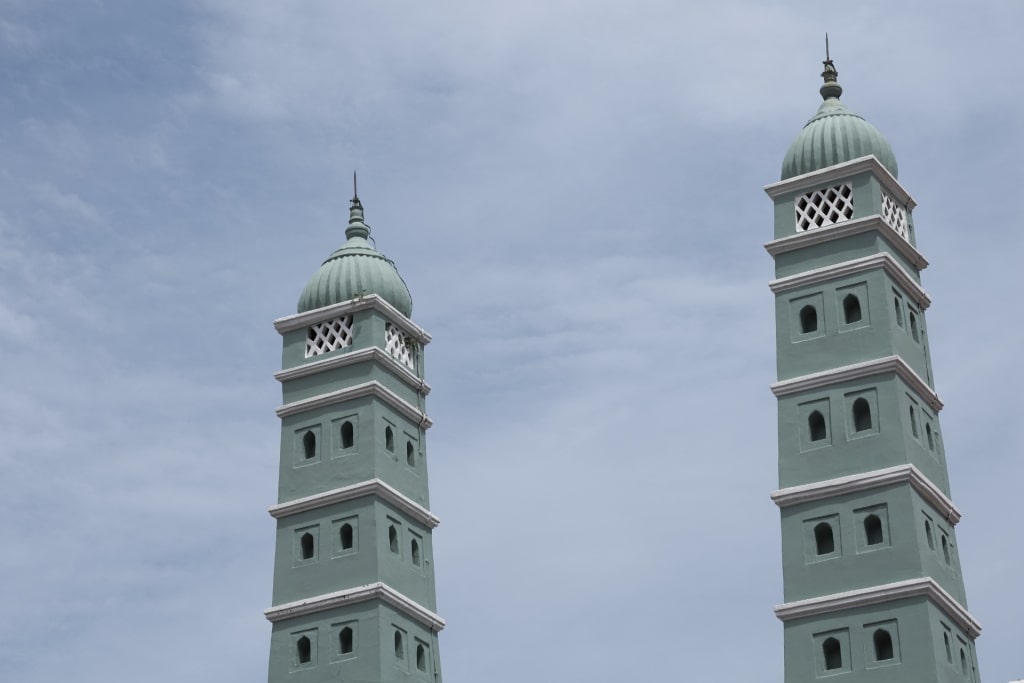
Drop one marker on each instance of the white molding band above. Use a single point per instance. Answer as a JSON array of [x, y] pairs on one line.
[[863, 597], [350, 596], [841, 172], [855, 483], [882, 260], [373, 353], [300, 320], [372, 388], [845, 229], [868, 368], [371, 487]]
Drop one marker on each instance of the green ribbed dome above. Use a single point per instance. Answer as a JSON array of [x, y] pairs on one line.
[[835, 134], [356, 269]]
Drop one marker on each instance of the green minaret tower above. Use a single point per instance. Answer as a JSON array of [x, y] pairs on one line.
[[872, 580], [353, 572]]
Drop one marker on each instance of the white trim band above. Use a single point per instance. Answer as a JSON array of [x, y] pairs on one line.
[[846, 229], [840, 172], [374, 353], [372, 388], [374, 591], [868, 368], [874, 595], [882, 260], [300, 320], [371, 487], [855, 483]]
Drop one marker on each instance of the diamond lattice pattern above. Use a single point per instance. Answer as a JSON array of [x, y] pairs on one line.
[[824, 207], [328, 336], [398, 344], [895, 215]]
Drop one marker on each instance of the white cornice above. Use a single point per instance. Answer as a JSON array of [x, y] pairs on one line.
[[845, 229], [373, 388], [300, 320], [882, 260], [869, 368], [855, 483], [372, 487], [374, 591], [374, 353], [889, 592], [842, 171]]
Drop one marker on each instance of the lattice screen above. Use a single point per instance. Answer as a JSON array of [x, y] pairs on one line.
[[401, 348], [895, 215], [328, 336], [825, 207]]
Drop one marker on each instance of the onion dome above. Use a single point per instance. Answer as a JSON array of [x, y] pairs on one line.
[[356, 269], [835, 134]]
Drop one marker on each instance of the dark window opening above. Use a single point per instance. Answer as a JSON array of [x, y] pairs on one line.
[[410, 454], [393, 539], [399, 646], [851, 309], [883, 645], [963, 661], [861, 415], [913, 421], [931, 437], [833, 654], [348, 435], [421, 658], [873, 530], [899, 311], [309, 445], [345, 641], [415, 552], [304, 650], [913, 327], [928, 534], [945, 549], [389, 439], [808, 319], [816, 425], [949, 651], [824, 539], [346, 534], [306, 546]]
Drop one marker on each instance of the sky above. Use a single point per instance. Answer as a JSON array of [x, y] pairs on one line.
[[573, 192]]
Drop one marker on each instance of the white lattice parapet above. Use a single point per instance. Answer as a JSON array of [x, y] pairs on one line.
[[895, 215], [400, 346], [824, 207], [329, 335]]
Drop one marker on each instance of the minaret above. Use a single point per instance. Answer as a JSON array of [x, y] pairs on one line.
[[872, 580], [353, 571]]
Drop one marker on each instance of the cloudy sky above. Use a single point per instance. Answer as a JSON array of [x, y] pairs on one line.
[[573, 192]]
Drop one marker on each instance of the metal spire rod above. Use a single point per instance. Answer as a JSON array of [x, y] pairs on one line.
[[827, 58], [355, 186]]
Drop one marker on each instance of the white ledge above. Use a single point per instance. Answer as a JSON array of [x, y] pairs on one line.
[[300, 320], [373, 388], [374, 353], [889, 592], [840, 172], [868, 368], [349, 596], [855, 483], [882, 260], [846, 229], [372, 487]]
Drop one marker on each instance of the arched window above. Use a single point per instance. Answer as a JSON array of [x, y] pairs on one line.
[[393, 539], [808, 319], [851, 309], [945, 549], [415, 546], [949, 650], [899, 311], [345, 641], [410, 454], [833, 654], [303, 650], [883, 645], [931, 438], [389, 439], [346, 536], [816, 425], [309, 445], [348, 434], [824, 539], [963, 661], [913, 327], [306, 546], [399, 646], [928, 534], [861, 415], [913, 421], [421, 658], [873, 530]]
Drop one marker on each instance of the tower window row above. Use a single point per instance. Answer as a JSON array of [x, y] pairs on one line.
[[308, 442], [421, 651], [824, 534], [344, 541], [342, 644], [861, 419], [834, 651], [338, 333], [808, 312], [964, 662], [908, 318], [944, 547], [395, 544], [824, 207]]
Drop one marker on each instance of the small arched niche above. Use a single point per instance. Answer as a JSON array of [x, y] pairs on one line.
[[808, 319], [824, 539]]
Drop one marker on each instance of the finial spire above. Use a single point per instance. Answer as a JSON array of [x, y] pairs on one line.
[[831, 88], [356, 226], [355, 184]]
